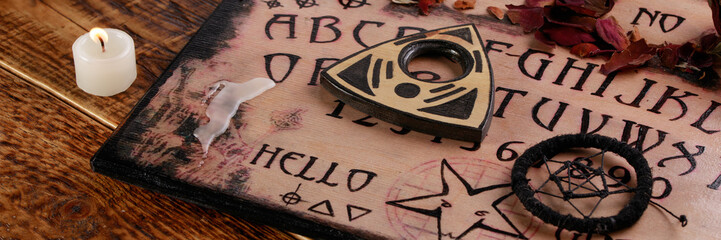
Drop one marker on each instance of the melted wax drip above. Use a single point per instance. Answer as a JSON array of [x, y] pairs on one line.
[[225, 104]]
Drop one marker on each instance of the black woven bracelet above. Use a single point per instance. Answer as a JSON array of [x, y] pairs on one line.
[[553, 146]]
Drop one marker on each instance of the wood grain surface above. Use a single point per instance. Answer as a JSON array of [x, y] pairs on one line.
[[47, 189], [49, 128], [300, 159], [36, 39]]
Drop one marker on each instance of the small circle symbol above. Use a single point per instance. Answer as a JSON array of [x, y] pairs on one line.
[[407, 90], [291, 198]]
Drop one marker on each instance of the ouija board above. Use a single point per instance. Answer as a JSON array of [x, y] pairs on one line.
[[298, 158]]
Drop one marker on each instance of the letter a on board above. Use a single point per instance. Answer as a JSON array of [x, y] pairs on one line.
[[377, 81]]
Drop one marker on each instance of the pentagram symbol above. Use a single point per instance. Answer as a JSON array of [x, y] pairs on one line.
[[306, 3], [292, 198], [467, 207], [273, 4], [353, 3], [576, 181]]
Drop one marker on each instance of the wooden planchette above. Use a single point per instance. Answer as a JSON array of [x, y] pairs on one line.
[[377, 81]]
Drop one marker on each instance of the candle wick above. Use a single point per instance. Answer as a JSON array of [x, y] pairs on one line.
[[102, 43]]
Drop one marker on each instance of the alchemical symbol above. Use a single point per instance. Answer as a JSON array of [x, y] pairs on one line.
[[353, 3], [273, 4], [306, 3], [292, 198]]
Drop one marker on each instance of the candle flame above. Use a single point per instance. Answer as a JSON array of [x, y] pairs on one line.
[[98, 35]]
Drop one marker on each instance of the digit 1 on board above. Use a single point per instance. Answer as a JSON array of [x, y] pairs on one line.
[[715, 184]]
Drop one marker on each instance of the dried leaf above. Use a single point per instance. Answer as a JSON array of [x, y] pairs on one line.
[[708, 42], [700, 60], [530, 18], [716, 49], [600, 7], [567, 36], [576, 6], [696, 55], [564, 16], [686, 50], [424, 6], [464, 4], [542, 38], [668, 54], [539, 3], [576, 3], [635, 35], [593, 8], [609, 30], [716, 14], [585, 50], [496, 12], [635, 55]]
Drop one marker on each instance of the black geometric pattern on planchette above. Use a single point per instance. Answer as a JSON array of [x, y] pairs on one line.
[[357, 75], [377, 81]]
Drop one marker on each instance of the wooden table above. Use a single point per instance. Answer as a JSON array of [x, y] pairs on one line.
[[49, 128], [48, 190]]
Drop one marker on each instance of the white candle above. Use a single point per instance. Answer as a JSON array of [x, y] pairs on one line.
[[104, 61]]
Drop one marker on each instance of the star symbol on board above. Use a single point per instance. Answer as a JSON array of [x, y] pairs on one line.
[[460, 208]]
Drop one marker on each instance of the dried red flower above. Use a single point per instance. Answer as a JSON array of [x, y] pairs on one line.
[[575, 3], [567, 36], [425, 5], [575, 23], [542, 38], [593, 8], [539, 3], [695, 56], [700, 60], [668, 54], [708, 42], [716, 14], [585, 50], [686, 50], [564, 16], [530, 18], [635, 55], [612, 33], [600, 7]]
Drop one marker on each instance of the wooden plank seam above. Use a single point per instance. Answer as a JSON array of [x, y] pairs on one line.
[[105, 122]]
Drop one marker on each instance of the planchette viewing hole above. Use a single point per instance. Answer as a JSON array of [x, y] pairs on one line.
[[435, 61]]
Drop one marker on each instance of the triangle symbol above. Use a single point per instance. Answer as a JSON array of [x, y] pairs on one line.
[[354, 212], [460, 108], [463, 33], [377, 81], [356, 75], [326, 208]]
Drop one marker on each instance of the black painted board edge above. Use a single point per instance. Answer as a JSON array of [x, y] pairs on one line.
[[204, 197], [203, 45]]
